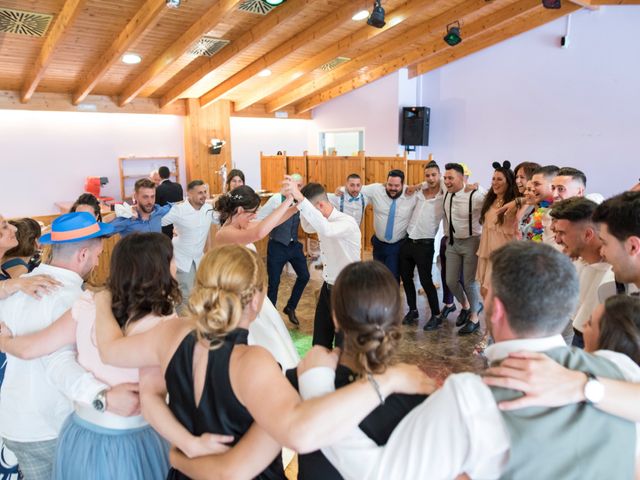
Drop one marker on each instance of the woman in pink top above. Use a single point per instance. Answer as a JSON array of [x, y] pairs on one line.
[[144, 292]]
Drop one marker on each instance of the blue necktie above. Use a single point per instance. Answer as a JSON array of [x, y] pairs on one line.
[[388, 233]]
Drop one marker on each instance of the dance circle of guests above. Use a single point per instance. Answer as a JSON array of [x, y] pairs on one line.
[[182, 367]]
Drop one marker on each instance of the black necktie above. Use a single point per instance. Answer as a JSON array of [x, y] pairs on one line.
[[451, 230]]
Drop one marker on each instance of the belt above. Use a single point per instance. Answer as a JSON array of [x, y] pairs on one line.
[[420, 241], [108, 419]]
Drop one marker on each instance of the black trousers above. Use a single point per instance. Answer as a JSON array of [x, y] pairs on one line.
[[418, 253], [324, 331], [278, 255]]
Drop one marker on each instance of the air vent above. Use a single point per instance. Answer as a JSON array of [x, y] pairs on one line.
[[208, 46], [333, 64], [30, 24], [256, 6]]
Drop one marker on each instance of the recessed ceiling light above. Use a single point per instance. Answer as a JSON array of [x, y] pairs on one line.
[[131, 58], [274, 2], [264, 73], [361, 15], [297, 75], [395, 21]]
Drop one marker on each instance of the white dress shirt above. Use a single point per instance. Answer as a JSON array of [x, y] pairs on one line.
[[459, 209], [352, 206], [36, 395], [376, 195], [458, 429], [193, 228], [267, 209], [426, 217], [339, 236], [590, 277]]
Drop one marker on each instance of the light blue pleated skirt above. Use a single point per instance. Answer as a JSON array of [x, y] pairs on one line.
[[90, 452]]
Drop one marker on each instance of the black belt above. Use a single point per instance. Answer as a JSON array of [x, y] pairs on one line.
[[421, 241]]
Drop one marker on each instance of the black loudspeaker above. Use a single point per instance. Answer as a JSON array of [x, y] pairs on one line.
[[415, 125]]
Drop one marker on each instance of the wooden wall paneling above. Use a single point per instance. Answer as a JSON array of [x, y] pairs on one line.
[[178, 48], [100, 274], [415, 171], [201, 126], [293, 43], [273, 168], [315, 169], [377, 168], [57, 31], [297, 165], [337, 168], [143, 20]]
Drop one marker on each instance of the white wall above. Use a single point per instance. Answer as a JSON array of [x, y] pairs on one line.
[[529, 99], [250, 136], [47, 155]]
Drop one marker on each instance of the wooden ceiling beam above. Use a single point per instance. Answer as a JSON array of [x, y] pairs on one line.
[[320, 28], [433, 25], [236, 47], [178, 48], [144, 19], [298, 75], [58, 30], [523, 21], [585, 4]]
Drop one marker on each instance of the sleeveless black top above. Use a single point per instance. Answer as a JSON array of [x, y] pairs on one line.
[[378, 425], [219, 410]]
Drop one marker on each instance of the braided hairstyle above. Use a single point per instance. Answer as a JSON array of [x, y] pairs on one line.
[[227, 280], [366, 304], [227, 205]]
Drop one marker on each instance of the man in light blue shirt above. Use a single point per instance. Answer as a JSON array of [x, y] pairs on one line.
[[146, 216]]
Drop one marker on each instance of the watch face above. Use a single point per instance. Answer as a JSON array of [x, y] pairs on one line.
[[98, 405], [594, 391]]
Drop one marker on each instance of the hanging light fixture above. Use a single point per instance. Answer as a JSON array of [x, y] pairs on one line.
[[376, 19], [552, 4], [453, 37]]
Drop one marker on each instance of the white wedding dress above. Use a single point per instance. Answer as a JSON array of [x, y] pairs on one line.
[[268, 331]]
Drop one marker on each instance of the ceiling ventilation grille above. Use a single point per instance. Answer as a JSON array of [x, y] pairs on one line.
[[333, 64], [208, 46], [24, 23], [256, 6]]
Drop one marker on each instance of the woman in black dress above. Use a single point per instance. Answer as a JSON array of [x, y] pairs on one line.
[[219, 384]]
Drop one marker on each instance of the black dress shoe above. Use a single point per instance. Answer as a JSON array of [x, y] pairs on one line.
[[469, 327], [291, 313], [447, 310], [434, 322], [411, 318], [463, 317]]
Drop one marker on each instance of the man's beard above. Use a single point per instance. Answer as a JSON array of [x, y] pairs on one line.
[[394, 195], [146, 209]]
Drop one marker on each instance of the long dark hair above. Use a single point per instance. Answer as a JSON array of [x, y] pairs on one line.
[[620, 326], [27, 233], [509, 194], [140, 280], [368, 310], [235, 173], [227, 205], [90, 200]]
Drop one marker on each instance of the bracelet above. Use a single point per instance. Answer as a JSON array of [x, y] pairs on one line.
[[376, 387]]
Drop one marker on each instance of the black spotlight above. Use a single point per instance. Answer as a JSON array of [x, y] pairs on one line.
[[376, 19], [453, 36], [553, 4]]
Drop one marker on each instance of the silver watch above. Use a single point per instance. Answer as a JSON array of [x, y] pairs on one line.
[[593, 390], [100, 402]]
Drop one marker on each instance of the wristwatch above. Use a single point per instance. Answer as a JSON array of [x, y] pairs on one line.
[[593, 389], [100, 402]]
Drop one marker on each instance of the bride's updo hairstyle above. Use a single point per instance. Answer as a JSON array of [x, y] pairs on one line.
[[227, 279], [243, 196], [366, 304]]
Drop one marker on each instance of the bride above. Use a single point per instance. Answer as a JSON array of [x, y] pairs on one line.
[[237, 211]]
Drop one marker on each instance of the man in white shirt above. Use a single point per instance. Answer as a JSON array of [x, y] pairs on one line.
[[37, 395], [419, 248], [340, 242], [460, 429], [578, 235], [571, 182], [392, 210], [192, 220], [352, 202], [462, 224]]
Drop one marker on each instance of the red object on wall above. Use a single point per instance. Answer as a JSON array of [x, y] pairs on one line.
[[93, 185]]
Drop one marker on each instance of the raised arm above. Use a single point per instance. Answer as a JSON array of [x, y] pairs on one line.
[[253, 453], [307, 426], [60, 333], [256, 230]]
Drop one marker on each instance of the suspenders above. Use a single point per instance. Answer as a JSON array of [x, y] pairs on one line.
[[450, 220], [361, 202]]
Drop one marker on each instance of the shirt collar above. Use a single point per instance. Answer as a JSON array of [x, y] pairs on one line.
[[63, 274], [501, 350], [335, 213]]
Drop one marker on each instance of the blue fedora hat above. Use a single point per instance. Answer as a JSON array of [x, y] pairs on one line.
[[75, 227]]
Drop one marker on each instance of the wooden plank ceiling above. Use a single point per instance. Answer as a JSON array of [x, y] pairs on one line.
[[80, 54]]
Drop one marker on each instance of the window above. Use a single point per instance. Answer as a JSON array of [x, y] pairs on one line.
[[342, 142]]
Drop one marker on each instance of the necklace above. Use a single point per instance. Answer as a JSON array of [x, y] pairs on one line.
[[499, 203]]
